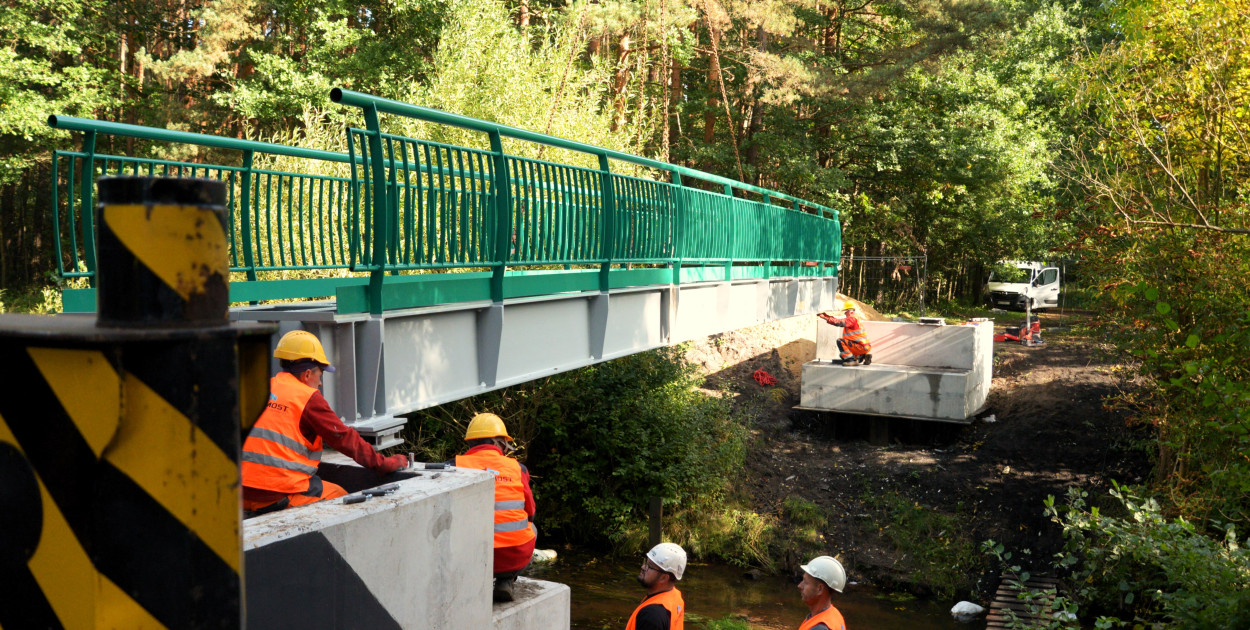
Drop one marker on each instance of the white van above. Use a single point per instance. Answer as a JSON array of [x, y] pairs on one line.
[[1020, 285]]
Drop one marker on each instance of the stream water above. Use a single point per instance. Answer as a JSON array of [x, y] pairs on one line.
[[605, 593]]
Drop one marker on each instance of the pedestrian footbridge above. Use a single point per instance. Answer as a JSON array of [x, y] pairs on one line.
[[434, 271]]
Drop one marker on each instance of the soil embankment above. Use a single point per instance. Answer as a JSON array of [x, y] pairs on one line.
[[1045, 428]]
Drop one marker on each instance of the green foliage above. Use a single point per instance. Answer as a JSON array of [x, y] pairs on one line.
[[724, 623], [384, 48], [940, 555], [1163, 230], [626, 431], [1151, 568], [733, 533], [803, 513], [602, 440], [44, 300]]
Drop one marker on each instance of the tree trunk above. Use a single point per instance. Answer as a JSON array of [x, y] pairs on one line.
[[523, 15], [713, 102], [620, 80], [757, 109], [674, 100]]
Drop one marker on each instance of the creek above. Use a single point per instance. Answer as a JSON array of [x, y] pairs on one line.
[[605, 592]]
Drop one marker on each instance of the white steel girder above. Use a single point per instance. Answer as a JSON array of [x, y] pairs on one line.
[[405, 360]]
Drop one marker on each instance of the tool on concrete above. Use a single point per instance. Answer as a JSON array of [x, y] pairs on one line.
[[380, 490], [355, 498], [412, 460]]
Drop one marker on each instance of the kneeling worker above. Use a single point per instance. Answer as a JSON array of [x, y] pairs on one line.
[[514, 501], [821, 577], [662, 608], [283, 449], [853, 345]]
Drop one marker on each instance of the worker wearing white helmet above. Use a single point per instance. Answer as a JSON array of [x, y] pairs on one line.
[[821, 577], [663, 607], [853, 346]]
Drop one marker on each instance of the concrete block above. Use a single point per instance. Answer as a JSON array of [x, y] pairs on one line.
[[918, 371], [418, 558], [539, 605], [900, 343], [890, 390]]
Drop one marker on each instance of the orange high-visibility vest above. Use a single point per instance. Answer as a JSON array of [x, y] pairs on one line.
[[671, 600], [858, 334], [512, 524], [276, 455], [829, 616]]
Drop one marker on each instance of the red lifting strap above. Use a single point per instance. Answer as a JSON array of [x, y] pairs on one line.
[[764, 378]]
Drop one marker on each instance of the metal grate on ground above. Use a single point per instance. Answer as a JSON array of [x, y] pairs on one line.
[[1008, 599]]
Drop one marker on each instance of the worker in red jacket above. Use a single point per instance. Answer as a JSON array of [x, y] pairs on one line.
[[663, 608], [821, 577], [283, 450], [514, 501], [853, 345]]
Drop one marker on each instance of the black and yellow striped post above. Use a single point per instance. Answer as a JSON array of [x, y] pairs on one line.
[[120, 436]]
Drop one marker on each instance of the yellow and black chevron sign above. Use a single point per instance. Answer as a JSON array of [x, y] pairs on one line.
[[175, 253], [120, 509]]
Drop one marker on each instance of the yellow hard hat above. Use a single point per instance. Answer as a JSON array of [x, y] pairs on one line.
[[301, 344], [486, 425], [848, 305]]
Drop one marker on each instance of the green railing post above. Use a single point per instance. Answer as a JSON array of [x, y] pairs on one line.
[[245, 214], [729, 262], [679, 223], [503, 216], [607, 232], [381, 213], [86, 198], [768, 264]]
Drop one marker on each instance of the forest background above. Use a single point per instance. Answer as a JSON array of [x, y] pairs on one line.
[[1115, 135]]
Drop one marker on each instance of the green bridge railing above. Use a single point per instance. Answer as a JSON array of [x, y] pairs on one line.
[[371, 225]]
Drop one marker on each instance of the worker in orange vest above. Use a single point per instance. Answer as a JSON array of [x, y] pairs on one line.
[[283, 450], [821, 577], [853, 345], [514, 501], [662, 608]]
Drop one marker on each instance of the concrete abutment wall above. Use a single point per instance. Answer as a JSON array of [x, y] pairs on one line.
[[417, 558]]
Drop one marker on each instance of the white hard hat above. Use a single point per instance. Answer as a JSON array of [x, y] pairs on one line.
[[669, 557], [827, 570]]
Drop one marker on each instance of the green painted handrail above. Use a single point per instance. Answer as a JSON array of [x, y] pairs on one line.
[[388, 106], [393, 204]]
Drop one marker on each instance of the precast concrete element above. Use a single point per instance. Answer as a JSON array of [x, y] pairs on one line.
[[539, 605], [919, 371], [420, 557], [401, 361]]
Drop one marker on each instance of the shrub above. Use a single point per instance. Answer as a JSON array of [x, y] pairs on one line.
[[602, 440], [1154, 568]]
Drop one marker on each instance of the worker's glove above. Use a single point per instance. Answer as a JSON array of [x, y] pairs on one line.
[[392, 464]]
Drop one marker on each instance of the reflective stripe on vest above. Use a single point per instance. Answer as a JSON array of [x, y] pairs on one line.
[[858, 334], [671, 601], [276, 455], [512, 524], [829, 616]]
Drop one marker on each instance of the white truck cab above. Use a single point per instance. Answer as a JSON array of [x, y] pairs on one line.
[[1023, 285]]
